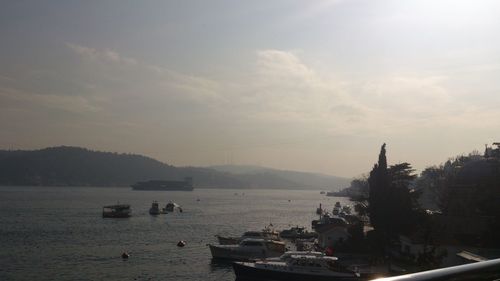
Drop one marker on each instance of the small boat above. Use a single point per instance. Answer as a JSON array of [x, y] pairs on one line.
[[248, 249], [319, 210], [346, 210], [336, 209], [116, 211], [314, 266], [266, 233], [155, 209], [170, 207], [297, 232]]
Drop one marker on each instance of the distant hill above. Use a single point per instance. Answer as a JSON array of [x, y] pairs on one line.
[[75, 166], [263, 176]]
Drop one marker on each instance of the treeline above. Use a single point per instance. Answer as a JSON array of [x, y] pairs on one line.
[[74, 166], [457, 202]]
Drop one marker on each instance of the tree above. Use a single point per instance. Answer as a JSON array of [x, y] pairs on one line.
[[378, 183], [392, 205], [401, 200]]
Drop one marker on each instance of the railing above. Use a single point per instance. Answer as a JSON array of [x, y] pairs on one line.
[[484, 270]]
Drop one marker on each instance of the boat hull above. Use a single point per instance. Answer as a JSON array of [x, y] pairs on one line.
[[241, 255], [115, 215], [228, 240], [246, 272], [154, 212]]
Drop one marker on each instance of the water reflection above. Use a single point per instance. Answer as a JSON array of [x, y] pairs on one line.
[[221, 264]]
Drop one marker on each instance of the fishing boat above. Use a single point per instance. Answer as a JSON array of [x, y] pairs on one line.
[[116, 211], [155, 209], [313, 266], [248, 249]]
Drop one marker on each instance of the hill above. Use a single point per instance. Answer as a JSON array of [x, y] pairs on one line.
[[75, 166], [264, 176]]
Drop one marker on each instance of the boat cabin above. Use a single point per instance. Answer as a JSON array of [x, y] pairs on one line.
[[116, 211]]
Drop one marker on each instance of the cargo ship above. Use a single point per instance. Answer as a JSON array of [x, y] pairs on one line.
[[185, 185]]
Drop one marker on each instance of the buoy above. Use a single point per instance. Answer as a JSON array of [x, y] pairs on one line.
[[181, 243], [125, 255]]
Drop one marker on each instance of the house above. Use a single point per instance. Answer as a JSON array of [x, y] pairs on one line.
[[332, 235]]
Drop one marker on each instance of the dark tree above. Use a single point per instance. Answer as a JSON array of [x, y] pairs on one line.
[[378, 183], [392, 204], [402, 201]]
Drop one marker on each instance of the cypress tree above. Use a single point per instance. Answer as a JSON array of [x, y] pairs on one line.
[[379, 185]]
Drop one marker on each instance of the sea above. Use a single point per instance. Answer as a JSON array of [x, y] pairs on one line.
[[58, 233]]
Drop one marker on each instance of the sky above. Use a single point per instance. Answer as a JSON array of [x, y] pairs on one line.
[[313, 86]]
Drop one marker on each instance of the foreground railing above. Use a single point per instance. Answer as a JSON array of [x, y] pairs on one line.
[[484, 270]]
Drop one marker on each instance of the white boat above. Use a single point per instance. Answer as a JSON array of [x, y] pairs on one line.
[[314, 266], [170, 207], [248, 249], [266, 233]]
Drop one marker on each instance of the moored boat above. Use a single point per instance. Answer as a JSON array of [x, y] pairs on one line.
[[248, 249], [155, 209], [116, 211], [319, 210], [170, 207], [291, 266], [265, 233], [297, 232]]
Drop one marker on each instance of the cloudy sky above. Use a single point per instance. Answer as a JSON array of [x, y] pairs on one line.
[[304, 85]]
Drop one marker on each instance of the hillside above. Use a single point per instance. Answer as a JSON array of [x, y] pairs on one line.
[[299, 179], [74, 166]]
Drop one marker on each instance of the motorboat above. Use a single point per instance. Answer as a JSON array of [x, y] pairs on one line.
[[327, 219], [319, 210], [155, 209], [248, 249], [336, 209], [170, 207], [116, 211], [297, 232], [265, 233], [314, 266], [346, 210]]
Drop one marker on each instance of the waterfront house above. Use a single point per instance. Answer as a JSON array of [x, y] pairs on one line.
[[332, 235]]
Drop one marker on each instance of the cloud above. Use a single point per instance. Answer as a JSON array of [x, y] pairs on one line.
[[13, 98], [278, 91], [106, 55], [144, 80], [284, 86], [285, 89], [408, 95]]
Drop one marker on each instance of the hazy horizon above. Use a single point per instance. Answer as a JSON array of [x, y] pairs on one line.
[[296, 85]]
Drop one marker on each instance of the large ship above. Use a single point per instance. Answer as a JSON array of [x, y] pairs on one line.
[[185, 185]]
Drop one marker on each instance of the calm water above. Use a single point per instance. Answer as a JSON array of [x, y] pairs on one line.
[[57, 233]]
